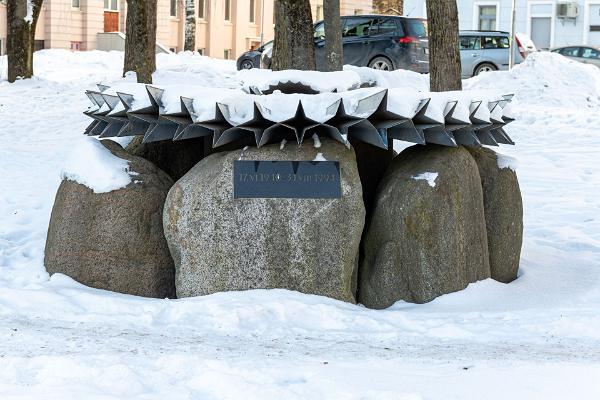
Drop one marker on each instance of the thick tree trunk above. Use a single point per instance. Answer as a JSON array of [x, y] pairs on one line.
[[333, 36], [444, 53], [294, 45], [190, 26], [140, 39], [22, 19], [393, 7]]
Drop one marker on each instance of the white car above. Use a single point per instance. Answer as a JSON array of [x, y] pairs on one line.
[[584, 54]]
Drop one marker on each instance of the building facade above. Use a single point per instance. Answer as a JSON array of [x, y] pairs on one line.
[[224, 28], [549, 23]]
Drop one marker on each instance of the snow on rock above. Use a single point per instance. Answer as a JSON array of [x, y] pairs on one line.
[[316, 141], [322, 82], [430, 177], [505, 161], [93, 165], [320, 157], [391, 79]]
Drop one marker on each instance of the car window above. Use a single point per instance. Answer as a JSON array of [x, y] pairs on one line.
[[356, 27], [386, 27], [470, 43], [495, 42], [570, 51], [588, 52], [320, 31], [416, 28]]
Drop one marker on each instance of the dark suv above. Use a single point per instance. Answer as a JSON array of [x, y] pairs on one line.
[[377, 41]]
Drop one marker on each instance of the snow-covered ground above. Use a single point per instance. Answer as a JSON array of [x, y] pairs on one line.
[[536, 338]]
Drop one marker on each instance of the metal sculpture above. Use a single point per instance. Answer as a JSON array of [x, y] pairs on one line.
[[371, 122]]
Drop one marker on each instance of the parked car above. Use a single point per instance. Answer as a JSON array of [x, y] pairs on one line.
[[378, 41], [251, 58], [483, 51], [584, 54]]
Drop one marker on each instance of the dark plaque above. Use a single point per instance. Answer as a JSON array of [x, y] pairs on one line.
[[287, 179]]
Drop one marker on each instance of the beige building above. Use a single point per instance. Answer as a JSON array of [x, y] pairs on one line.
[[224, 28]]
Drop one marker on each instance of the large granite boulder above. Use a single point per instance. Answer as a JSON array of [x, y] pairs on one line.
[[503, 213], [221, 244], [427, 235], [114, 240]]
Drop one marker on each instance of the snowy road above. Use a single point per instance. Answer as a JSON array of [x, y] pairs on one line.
[[536, 338]]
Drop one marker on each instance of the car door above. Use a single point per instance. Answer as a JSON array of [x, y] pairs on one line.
[[470, 54], [383, 40], [590, 55], [496, 50], [355, 34]]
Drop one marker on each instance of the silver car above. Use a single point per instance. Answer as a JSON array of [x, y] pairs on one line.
[[482, 51], [584, 54]]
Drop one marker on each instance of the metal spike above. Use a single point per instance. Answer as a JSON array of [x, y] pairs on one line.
[[90, 127], [300, 123], [110, 100], [112, 130], [439, 135], [160, 132], [155, 94], [485, 137], [421, 118], [466, 137], [134, 127], [406, 132], [126, 99], [99, 128], [366, 132], [341, 120], [276, 133], [193, 131], [102, 87]]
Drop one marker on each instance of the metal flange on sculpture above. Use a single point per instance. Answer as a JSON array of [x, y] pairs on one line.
[[361, 114]]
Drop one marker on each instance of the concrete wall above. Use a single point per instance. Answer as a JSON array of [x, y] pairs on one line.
[[563, 32]]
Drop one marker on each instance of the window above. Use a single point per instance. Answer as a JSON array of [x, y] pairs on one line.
[[588, 52], [252, 11], [495, 42], [570, 51], [356, 27], [470, 43], [320, 31], [227, 54], [227, 10], [416, 27], [75, 46], [357, 12], [386, 27], [319, 13], [487, 18], [111, 5], [201, 6], [75, 3], [173, 12]]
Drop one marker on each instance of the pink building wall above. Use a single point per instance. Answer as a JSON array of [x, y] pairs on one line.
[[66, 27]]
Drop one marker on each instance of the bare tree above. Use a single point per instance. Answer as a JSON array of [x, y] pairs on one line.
[[333, 35], [392, 7], [22, 16], [294, 46], [140, 39], [444, 53], [190, 25]]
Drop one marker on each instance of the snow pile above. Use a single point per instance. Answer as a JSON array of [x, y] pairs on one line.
[[93, 165], [322, 82], [430, 177], [546, 79]]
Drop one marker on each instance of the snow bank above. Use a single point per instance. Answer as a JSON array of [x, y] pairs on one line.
[[391, 79], [546, 79], [505, 161], [93, 165]]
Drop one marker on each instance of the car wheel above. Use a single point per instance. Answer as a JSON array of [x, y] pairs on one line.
[[247, 64], [485, 67], [381, 63]]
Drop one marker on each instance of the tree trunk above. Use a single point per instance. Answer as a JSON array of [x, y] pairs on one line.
[[444, 53], [294, 45], [140, 39], [393, 7], [333, 36], [190, 26], [22, 20]]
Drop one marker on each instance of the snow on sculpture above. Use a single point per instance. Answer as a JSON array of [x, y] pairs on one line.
[[373, 115]]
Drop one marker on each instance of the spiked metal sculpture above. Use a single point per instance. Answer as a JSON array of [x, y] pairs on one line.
[[371, 121]]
